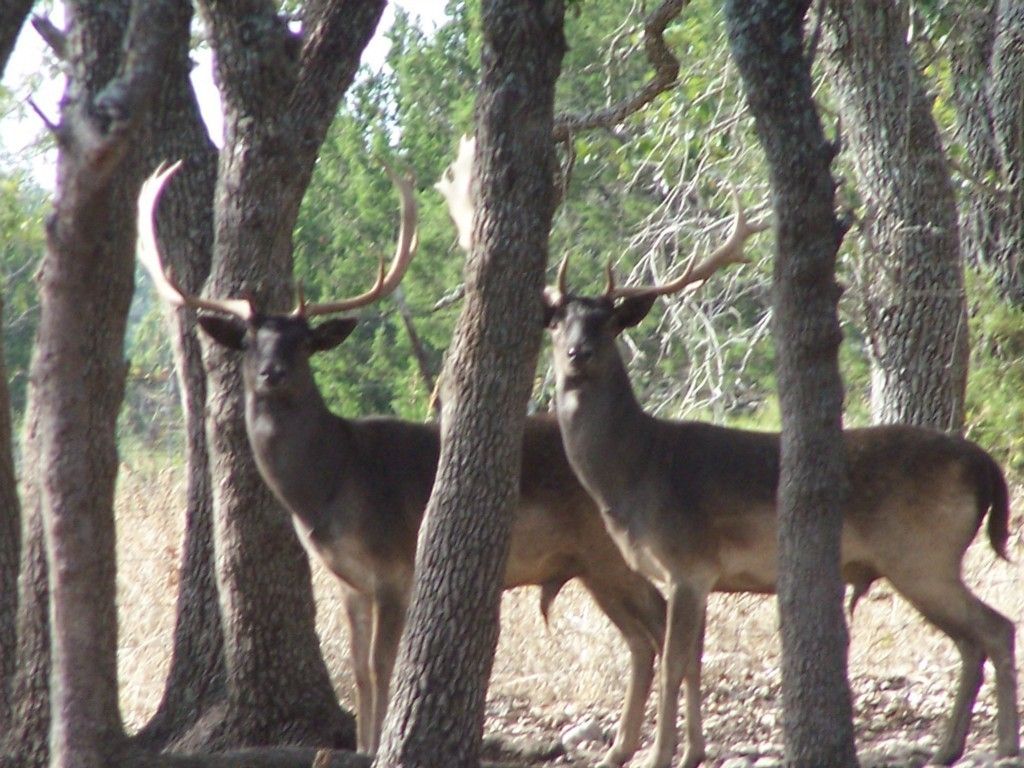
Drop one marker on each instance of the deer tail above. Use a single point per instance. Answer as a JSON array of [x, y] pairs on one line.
[[994, 498]]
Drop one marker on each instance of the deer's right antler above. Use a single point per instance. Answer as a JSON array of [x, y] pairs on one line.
[[168, 288], [148, 253]]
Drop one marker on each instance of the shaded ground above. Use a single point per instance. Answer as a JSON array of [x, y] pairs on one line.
[[572, 674]]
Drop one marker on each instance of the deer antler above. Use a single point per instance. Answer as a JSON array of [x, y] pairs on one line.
[[408, 239], [729, 252], [168, 288], [455, 185], [148, 253]]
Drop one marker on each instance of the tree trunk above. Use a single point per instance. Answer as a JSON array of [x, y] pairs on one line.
[[447, 651], [196, 680], [987, 62], [766, 38], [78, 371], [280, 93], [25, 743], [12, 16], [10, 536], [914, 299]]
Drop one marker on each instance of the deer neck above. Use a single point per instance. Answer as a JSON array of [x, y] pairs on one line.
[[299, 444], [606, 433]]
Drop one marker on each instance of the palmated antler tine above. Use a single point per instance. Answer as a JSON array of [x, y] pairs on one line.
[[729, 252], [408, 239], [148, 253]]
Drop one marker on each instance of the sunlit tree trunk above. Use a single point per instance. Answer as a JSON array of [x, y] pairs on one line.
[[767, 43], [915, 308], [86, 279], [446, 654]]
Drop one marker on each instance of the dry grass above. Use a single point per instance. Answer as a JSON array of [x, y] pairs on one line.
[[902, 671]]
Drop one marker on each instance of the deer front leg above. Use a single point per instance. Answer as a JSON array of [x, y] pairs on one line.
[[388, 621], [686, 605], [359, 609]]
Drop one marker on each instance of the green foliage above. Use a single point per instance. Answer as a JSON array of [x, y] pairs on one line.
[[995, 406]]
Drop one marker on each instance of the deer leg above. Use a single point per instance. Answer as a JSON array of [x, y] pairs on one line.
[[694, 723], [997, 637], [359, 610], [685, 608], [637, 609], [389, 618], [951, 607]]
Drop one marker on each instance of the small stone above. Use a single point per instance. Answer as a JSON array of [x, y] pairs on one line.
[[587, 730], [737, 762]]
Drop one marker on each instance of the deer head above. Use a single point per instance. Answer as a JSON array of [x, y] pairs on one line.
[[276, 347], [584, 329]]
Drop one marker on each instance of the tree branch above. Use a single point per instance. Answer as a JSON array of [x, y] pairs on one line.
[[53, 37], [666, 73]]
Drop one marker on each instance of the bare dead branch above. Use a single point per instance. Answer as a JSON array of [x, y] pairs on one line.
[[50, 125], [52, 36], [666, 73]]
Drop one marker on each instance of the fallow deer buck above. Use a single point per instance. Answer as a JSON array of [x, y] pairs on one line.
[[694, 504], [357, 488]]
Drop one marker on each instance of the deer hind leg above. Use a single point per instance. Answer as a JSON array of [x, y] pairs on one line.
[[359, 609], [979, 633], [388, 621], [680, 659], [637, 610]]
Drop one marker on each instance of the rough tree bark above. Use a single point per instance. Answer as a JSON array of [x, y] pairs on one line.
[[446, 654], [10, 537], [281, 89], [196, 680], [987, 62], [113, 66], [766, 37], [915, 308]]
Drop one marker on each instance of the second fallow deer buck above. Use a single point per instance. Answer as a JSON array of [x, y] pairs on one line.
[[694, 505], [357, 488]]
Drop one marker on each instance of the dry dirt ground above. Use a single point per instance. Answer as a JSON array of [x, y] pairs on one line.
[[548, 679]]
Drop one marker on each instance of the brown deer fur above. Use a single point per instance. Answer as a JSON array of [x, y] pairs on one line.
[[693, 504]]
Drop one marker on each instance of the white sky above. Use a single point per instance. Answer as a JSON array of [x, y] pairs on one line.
[[27, 77]]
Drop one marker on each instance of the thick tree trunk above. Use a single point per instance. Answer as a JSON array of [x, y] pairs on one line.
[[196, 681], [766, 37], [447, 651], [280, 94], [914, 295], [78, 372]]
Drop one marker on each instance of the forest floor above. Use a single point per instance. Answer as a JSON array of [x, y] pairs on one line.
[[571, 674]]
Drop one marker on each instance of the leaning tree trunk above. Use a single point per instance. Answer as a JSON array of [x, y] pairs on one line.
[[915, 308], [113, 67], [195, 683], [280, 94], [447, 650], [766, 37]]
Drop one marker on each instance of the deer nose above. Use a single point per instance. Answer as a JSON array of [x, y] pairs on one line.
[[271, 373], [580, 353]]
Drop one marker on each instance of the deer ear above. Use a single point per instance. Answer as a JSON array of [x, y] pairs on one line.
[[632, 310], [330, 334], [551, 303], [226, 331]]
